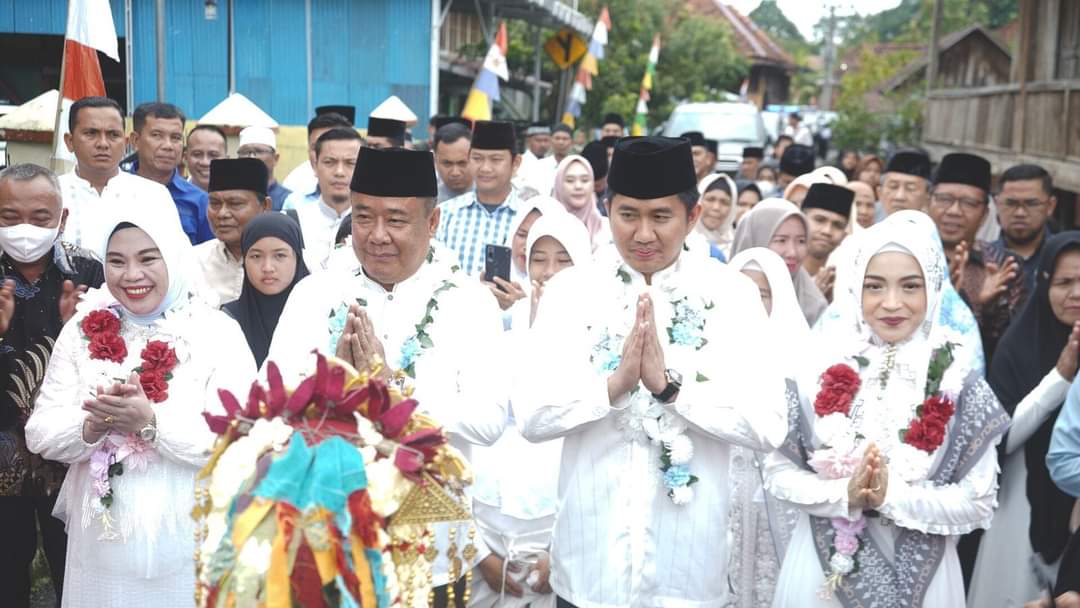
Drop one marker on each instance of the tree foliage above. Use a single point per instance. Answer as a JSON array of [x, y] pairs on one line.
[[698, 60], [772, 20]]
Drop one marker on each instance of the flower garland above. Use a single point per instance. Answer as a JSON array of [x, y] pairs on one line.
[[661, 428], [101, 329], [832, 405], [414, 345]]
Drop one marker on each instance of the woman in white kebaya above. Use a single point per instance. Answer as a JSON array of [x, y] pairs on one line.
[[122, 404], [890, 453]]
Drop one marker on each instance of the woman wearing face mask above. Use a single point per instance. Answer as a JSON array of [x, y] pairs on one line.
[[272, 246], [122, 405], [1031, 372], [574, 189], [890, 454], [778, 225], [515, 496], [718, 210], [760, 525]]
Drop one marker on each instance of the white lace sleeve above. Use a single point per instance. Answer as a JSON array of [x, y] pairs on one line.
[[54, 429], [1035, 408], [956, 508], [804, 490]]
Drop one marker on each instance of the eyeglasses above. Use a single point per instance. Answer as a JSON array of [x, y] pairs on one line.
[[948, 200], [1012, 204], [253, 152]]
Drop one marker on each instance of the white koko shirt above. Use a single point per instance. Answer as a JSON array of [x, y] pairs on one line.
[[87, 209], [619, 539]]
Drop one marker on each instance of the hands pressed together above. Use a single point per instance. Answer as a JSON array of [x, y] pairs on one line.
[[642, 356], [122, 407], [870, 482], [360, 346]]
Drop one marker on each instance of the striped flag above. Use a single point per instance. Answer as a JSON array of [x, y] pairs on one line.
[[588, 68], [641, 114], [485, 90], [89, 29]]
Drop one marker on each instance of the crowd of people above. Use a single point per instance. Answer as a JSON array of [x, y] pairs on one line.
[[845, 385]]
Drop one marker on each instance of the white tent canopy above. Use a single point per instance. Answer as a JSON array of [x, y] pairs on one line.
[[395, 109], [238, 111]]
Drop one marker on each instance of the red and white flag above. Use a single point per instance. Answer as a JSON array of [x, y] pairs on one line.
[[90, 29]]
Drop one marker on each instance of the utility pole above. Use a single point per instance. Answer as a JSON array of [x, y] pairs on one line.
[[825, 103]]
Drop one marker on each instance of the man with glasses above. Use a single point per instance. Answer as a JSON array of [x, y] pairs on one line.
[[261, 143], [1025, 204], [985, 276]]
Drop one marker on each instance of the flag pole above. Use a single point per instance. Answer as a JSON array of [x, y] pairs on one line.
[[54, 161]]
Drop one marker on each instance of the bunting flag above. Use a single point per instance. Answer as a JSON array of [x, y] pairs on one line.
[[588, 68], [485, 90], [641, 114]]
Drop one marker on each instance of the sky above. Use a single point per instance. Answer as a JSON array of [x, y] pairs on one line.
[[805, 13]]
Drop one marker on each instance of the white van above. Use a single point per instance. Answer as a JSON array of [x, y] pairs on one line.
[[733, 125]]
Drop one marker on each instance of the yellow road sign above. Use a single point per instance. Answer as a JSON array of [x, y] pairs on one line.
[[565, 48]]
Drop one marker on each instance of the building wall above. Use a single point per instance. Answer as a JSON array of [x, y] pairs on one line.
[[353, 60]]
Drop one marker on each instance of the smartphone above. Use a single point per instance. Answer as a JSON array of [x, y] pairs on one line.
[[496, 263]]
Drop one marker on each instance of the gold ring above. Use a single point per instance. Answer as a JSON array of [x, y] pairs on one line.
[[108, 419]]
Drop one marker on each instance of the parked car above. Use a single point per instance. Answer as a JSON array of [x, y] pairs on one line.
[[732, 125]]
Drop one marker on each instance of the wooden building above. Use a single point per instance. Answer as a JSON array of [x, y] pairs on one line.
[[771, 67], [1034, 117]]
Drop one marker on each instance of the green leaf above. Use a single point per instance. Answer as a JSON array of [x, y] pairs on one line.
[[670, 335], [701, 377], [107, 500], [693, 480], [901, 434], [424, 340], [862, 361], [710, 306], [622, 274], [362, 302]]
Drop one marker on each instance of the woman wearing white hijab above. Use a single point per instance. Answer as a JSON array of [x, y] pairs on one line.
[[516, 487], [122, 404], [718, 209], [778, 225], [890, 453], [760, 525]]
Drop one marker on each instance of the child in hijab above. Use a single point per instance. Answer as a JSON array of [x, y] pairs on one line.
[[516, 486], [272, 246], [779, 225]]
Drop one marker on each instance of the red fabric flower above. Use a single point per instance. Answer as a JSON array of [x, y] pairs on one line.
[[155, 386], [839, 385], [938, 408], [158, 357], [100, 322], [108, 347]]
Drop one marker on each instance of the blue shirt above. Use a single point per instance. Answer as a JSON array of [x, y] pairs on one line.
[[191, 203], [277, 194], [466, 226], [296, 200], [1063, 457]]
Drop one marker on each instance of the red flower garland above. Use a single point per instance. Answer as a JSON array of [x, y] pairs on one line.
[[927, 430], [102, 329], [839, 385]]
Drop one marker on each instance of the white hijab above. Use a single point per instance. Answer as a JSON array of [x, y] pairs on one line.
[[571, 234], [175, 248], [542, 204], [722, 236], [786, 320]]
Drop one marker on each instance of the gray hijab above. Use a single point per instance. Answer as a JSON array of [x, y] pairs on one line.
[[756, 229]]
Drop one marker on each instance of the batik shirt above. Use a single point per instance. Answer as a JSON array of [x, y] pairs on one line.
[[24, 355]]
